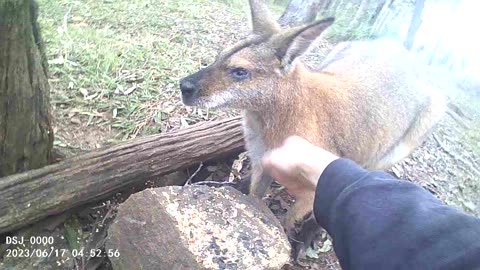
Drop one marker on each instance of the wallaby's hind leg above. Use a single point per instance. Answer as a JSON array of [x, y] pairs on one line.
[[304, 236], [416, 133], [301, 226], [298, 211], [260, 181]]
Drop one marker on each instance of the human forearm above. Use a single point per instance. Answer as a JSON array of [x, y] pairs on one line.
[[378, 222]]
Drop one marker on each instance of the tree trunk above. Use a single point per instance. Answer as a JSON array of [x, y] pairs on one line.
[[26, 136], [325, 7], [415, 24], [300, 12], [362, 9], [33, 195], [280, 2], [378, 5], [382, 15]]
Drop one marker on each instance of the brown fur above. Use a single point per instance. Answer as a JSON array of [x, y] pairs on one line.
[[365, 103]]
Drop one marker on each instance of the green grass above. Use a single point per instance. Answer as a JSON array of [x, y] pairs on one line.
[[98, 50]]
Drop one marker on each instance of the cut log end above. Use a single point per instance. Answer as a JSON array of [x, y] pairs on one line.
[[196, 227]]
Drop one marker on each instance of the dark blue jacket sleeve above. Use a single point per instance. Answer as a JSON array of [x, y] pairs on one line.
[[378, 222]]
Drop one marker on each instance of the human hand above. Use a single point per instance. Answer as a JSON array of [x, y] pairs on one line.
[[297, 165]]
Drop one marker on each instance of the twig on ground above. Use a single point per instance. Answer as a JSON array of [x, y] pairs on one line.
[[189, 180], [214, 183], [65, 20]]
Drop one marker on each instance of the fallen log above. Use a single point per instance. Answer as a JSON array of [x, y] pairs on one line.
[[33, 195]]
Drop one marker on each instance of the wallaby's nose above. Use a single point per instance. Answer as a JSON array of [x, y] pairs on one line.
[[187, 87]]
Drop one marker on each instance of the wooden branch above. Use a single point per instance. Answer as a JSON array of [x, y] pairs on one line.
[[33, 195]]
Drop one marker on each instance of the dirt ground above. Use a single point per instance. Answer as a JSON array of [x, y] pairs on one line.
[[94, 109]]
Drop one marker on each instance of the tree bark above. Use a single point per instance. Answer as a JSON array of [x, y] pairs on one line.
[[415, 24], [280, 2], [26, 136], [300, 12], [325, 7], [362, 9], [377, 7], [33, 195], [381, 17]]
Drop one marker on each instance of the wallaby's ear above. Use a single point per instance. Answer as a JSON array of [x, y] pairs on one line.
[[262, 20], [297, 41]]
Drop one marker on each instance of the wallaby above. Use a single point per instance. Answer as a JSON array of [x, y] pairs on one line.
[[364, 103]]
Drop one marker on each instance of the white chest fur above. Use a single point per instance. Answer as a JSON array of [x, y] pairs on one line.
[[253, 129]]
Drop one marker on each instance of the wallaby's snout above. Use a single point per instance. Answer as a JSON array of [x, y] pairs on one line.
[[189, 91], [190, 88]]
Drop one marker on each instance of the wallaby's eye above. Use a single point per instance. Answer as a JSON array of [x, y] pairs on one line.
[[240, 74]]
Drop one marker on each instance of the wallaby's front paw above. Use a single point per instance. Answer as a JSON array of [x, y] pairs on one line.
[[303, 235], [243, 185]]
